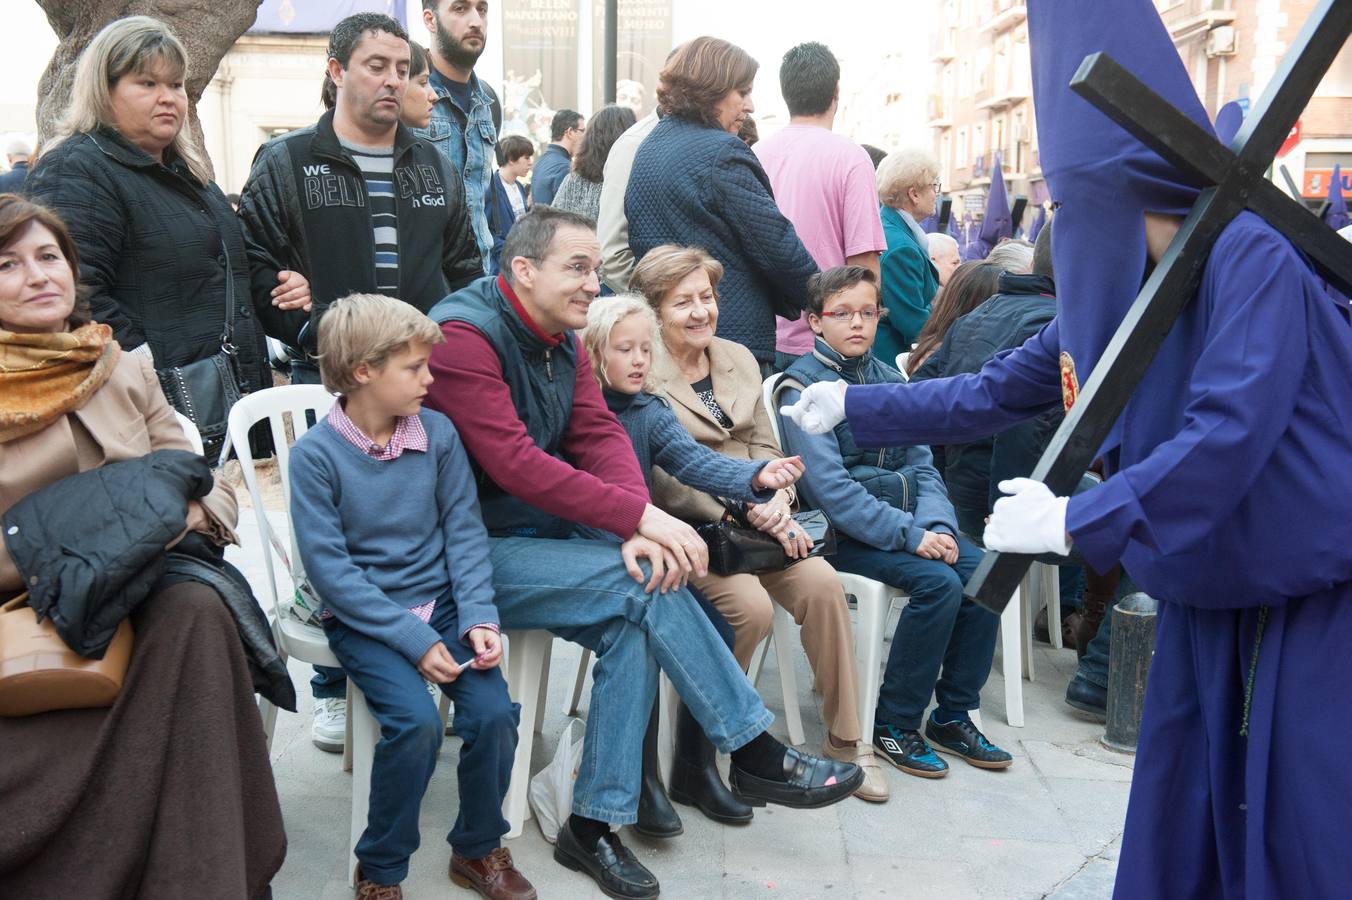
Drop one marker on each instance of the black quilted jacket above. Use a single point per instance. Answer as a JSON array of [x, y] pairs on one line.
[[703, 187], [150, 240]]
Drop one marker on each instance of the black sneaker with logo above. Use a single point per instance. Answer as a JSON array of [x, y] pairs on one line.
[[961, 738], [907, 750]]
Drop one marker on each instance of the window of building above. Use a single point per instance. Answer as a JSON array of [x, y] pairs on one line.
[[946, 158], [963, 158], [998, 136], [978, 140], [983, 69], [964, 78]]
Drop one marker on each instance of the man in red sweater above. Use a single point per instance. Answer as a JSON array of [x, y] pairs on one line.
[[549, 455]]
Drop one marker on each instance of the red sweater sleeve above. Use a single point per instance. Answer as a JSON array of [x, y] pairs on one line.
[[469, 388]]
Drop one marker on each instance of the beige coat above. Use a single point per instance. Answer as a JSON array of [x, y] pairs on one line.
[[737, 388], [125, 419]]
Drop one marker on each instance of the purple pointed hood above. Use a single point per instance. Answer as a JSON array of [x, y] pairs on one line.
[[996, 226], [1039, 221], [1103, 178], [1336, 215], [1228, 119]]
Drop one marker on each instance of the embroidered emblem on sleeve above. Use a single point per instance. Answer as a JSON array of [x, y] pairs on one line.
[[1070, 384]]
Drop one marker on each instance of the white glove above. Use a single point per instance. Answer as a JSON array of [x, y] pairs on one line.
[[820, 408], [1030, 520]]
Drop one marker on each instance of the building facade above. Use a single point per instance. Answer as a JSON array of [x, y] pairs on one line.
[[982, 105]]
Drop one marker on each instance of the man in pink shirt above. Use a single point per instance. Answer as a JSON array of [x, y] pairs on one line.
[[823, 182]]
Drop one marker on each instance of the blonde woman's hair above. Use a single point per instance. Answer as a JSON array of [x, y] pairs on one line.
[[127, 46], [902, 170], [602, 317], [367, 328], [664, 267]]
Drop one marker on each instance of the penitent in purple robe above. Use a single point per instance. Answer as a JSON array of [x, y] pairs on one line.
[[1229, 497]]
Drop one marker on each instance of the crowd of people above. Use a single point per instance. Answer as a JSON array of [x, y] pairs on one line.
[[550, 378]]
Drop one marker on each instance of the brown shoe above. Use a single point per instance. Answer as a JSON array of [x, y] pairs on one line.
[[369, 890], [874, 787], [493, 876]]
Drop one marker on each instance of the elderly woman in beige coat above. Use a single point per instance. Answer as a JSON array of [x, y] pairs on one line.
[[714, 387], [169, 792]]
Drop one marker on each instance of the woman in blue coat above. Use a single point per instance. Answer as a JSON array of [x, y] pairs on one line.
[[1227, 497]]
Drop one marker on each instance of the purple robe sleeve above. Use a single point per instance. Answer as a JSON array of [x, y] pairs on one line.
[[1241, 395], [1015, 385]]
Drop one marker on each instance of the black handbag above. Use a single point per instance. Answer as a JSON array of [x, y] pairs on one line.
[[737, 548], [205, 390]]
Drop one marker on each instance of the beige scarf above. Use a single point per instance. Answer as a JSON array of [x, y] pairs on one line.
[[45, 376]]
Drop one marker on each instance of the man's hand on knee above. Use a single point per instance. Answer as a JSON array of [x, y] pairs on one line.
[[667, 575], [682, 542]]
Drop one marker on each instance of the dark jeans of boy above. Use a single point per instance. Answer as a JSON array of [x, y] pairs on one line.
[[944, 642], [410, 736], [579, 590]]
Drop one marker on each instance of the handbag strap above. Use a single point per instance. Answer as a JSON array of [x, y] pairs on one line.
[[15, 603]]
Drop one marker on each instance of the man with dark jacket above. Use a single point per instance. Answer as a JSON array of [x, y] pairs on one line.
[[17, 154], [565, 135], [356, 202]]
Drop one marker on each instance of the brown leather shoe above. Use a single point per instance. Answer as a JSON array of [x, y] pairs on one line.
[[493, 876], [369, 890]]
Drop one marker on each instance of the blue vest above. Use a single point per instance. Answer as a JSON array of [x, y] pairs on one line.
[[540, 378], [883, 472]]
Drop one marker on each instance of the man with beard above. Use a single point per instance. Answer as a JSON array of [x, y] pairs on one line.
[[466, 114], [357, 204]]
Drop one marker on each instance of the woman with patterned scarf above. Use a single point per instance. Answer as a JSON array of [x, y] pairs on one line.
[[168, 793]]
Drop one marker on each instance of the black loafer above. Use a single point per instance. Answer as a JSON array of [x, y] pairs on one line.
[[616, 871], [809, 782], [1088, 698]]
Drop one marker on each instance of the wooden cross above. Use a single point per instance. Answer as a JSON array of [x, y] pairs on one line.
[[1232, 180]]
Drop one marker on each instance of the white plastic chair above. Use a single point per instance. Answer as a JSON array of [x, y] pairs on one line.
[[190, 432], [901, 364]]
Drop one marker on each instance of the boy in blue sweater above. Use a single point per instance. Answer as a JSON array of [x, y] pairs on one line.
[[895, 524], [387, 520]]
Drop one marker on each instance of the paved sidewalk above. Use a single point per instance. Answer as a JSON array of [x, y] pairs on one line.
[[1049, 826]]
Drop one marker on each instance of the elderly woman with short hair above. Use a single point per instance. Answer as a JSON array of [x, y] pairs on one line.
[[695, 182], [908, 188], [714, 386]]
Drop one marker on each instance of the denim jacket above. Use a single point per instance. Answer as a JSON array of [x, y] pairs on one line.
[[467, 142]]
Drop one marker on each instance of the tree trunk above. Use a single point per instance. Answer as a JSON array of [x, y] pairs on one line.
[[207, 28]]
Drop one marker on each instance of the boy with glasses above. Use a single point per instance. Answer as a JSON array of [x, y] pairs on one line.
[[895, 524]]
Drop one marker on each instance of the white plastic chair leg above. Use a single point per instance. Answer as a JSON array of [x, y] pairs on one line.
[[1029, 613], [528, 652], [579, 682], [753, 670], [362, 738], [544, 691], [268, 713], [1050, 593], [873, 602], [347, 729], [666, 725], [1011, 664], [788, 679], [444, 709]]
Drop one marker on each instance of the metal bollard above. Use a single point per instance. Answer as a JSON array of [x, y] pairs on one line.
[[1132, 648]]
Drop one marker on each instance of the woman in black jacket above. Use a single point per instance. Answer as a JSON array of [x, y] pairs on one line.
[[161, 250]]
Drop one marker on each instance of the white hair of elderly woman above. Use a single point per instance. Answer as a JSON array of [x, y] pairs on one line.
[[902, 170], [1014, 255]]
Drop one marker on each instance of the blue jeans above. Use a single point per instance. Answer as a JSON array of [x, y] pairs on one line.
[[944, 642], [579, 590], [1093, 666], [410, 736]]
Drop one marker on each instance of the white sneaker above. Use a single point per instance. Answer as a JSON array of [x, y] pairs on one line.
[[329, 729]]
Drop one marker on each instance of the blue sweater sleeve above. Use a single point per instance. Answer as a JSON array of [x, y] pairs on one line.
[[465, 537], [342, 585], [695, 465], [851, 508], [1015, 385], [933, 509]]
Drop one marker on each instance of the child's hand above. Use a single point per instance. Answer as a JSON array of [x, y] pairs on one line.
[[437, 665], [778, 474], [487, 645]]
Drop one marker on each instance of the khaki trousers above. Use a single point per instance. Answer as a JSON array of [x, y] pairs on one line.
[[812, 594]]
